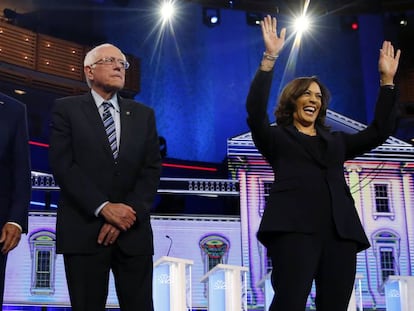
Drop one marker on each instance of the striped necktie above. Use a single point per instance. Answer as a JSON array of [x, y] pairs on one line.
[[109, 125]]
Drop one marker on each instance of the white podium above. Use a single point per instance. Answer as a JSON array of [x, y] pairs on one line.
[[266, 284], [172, 284], [227, 288], [355, 303], [399, 293]]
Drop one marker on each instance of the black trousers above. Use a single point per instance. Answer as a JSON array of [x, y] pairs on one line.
[[88, 277], [299, 258]]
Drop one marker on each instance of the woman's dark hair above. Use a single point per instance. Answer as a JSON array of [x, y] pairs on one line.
[[291, 92]]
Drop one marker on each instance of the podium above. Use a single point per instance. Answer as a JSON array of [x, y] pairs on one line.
[[172, 284], [227, 288], [266, 284], [355, 303], [399, 293]]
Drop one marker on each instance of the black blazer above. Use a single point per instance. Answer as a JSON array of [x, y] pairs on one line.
[[15, 181], [293, 205], [84, 168]]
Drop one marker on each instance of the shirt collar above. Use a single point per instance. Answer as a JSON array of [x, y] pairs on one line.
[[99, 100]]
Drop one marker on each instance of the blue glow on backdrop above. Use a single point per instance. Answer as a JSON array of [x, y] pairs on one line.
[[197, 77]]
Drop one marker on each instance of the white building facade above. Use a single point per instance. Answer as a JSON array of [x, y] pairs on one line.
[[381, 183]]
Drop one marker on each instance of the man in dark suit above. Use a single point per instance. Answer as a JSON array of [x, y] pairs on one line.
[[15, 185], [104, 154]]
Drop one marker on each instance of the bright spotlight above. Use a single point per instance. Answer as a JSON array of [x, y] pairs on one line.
[[211, 17], [167, 10], [302, 24], [214, 19]]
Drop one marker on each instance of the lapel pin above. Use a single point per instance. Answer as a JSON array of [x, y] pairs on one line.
[[128, 113]]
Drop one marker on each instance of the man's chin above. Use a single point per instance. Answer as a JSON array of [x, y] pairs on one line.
[[114, 88]]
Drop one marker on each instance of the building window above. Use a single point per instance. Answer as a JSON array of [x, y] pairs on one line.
[[43, 259], [43, 253], [215, 249], [267, 186], [387, 262], [264, 195], [269, 265], [381, 195], [381, 198], [386, 246]]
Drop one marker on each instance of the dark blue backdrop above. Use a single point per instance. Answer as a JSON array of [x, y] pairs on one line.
[[197, 78]]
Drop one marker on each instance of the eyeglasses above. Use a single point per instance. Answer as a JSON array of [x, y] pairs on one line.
[[111, 61]]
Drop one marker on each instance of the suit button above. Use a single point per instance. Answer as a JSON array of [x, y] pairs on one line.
[[116, 162], [117, 174]]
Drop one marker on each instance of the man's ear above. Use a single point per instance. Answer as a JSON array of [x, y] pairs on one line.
[[88, 70]]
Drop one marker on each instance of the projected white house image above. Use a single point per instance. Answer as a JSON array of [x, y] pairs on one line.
[[381, 183]]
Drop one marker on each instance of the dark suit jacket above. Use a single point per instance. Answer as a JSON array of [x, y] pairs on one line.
[[293, 204], [83, 165], [15, 181]]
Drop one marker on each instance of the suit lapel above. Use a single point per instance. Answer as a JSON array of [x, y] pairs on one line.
[[329, 143], [94, 118]]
